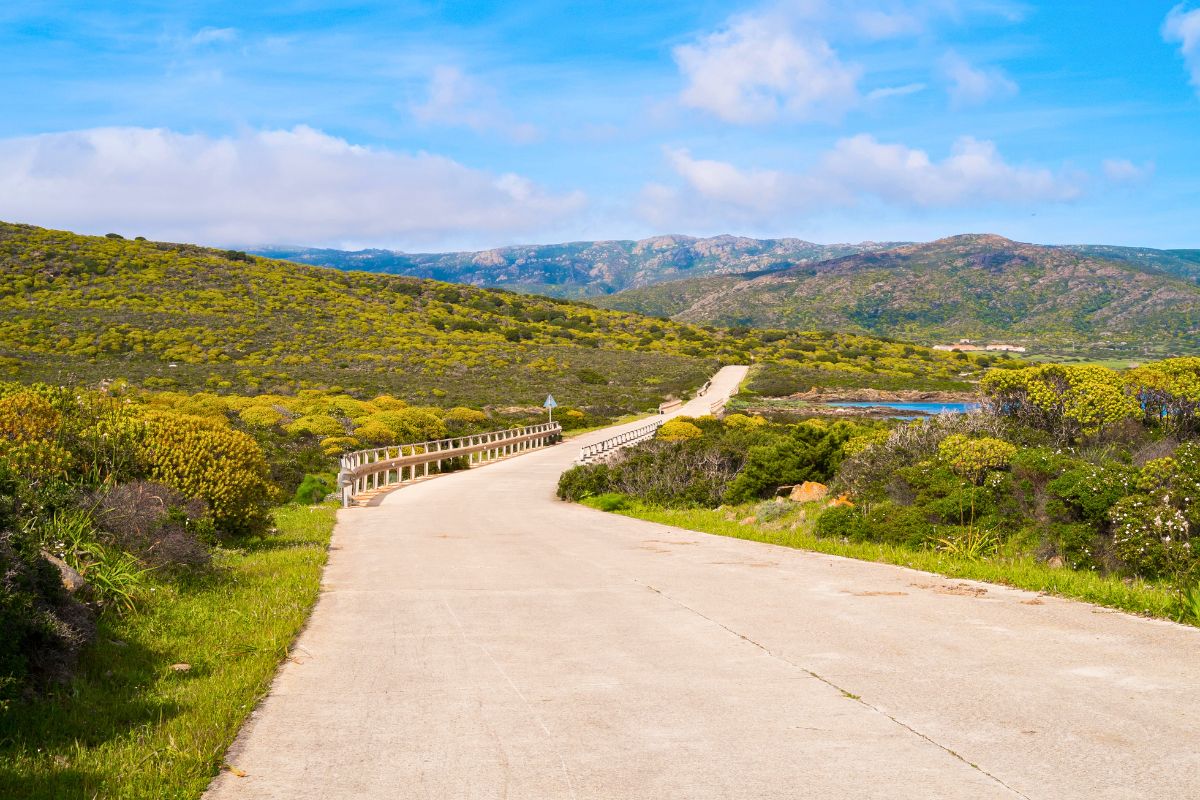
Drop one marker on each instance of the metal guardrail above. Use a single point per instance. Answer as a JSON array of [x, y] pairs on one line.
[[595, 451], [669, 406], [717, 408], [367, 470]]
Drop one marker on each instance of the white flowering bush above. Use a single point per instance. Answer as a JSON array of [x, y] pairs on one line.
[[1152, 537]]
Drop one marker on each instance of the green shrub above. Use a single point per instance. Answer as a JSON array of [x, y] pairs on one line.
[[1151, 537], [583, 481], [1079, 544], [1068, 402], [842, 522], [742, 421], [808, 452], [1185, 482], [897, 524], [314, 489], [611, 501], [1091, 490], [42, 628], [770, 511]]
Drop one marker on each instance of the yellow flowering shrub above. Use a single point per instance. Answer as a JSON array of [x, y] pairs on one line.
[[318, 424], [738, 421], [1068, 401], [260, 416], [212, 462], [26, 417], [972, 458], [678, 430]]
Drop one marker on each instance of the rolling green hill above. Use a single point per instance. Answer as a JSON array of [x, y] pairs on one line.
[[973, 286], [580, 269], [82, 309]]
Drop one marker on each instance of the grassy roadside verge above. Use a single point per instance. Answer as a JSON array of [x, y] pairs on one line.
[[1138, 597], [131, 726], [574, 432]]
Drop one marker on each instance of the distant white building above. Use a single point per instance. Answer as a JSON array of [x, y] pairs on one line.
[[967, 345]]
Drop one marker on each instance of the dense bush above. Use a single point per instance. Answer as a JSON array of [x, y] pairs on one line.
[[1078, 465], [711, 462], [678, 430], [42, 628], [1067, 401], [210, 462], [154, 522], [971, 458], [314, 488], [808, 451]]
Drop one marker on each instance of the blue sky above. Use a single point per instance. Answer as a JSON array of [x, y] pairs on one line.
[[425, 126]]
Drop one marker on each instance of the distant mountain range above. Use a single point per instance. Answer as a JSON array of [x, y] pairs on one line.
[[971, 286], [584, 269]]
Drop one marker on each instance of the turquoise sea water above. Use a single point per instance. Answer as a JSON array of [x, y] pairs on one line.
[[920, 408]]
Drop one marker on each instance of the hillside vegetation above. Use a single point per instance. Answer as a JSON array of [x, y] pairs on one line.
[[975, 286], [1180, 263], [582, 269], [81, 309]]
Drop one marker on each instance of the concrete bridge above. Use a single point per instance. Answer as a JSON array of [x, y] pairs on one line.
[[478, 638]]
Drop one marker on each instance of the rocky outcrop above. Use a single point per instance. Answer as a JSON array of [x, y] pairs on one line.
[[808, 491]]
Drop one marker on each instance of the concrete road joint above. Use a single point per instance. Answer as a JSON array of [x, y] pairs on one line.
[[846, 693]]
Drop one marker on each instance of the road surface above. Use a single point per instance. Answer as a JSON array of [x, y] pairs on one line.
[[478, 638]]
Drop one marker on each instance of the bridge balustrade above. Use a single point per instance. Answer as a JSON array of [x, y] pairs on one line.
[[594, 452], [368, 470]]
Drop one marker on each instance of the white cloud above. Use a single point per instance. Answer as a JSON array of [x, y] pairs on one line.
[[757, 69], [973, 174], [1183, 27], [214, 36], [457, 99], [760, 190], [895, 91], [298, 185], [857, 170], [1121, 170], [970, 85]]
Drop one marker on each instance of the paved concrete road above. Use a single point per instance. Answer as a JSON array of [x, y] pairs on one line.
[[479, 639]]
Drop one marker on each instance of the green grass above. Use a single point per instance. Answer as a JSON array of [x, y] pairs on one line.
[[132, 727], [571, 434], [1022, 572]]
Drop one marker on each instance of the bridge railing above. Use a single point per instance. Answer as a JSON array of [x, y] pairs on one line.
[[593, 452], [717, 409], [366, 470]]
